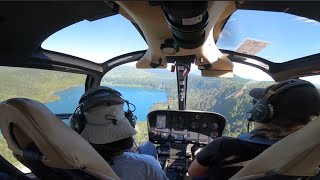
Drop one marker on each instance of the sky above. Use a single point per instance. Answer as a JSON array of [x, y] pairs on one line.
[[290, 37]]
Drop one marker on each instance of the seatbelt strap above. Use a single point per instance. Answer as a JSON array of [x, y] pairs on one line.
[[256, 139]]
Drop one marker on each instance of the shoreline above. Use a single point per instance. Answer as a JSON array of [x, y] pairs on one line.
[[157, 96], [134, 86], [60, 90]]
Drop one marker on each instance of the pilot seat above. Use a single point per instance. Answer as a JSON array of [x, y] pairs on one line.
[[48, 147], [296, 156]]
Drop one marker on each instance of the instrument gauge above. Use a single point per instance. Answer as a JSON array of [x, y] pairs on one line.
[[204, 125], [194, 125], [214, 135], [164, 135], [215, 126], [179, 124]]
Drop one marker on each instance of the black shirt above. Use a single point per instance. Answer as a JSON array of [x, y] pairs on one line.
[[224, 151]]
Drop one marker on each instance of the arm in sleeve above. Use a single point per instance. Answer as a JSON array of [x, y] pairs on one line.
[[210, 153], [154, 169], [199, 166], [215, 153], [195, 169], [218, 150]]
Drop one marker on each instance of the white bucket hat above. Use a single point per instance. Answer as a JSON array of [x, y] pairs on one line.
[[106, 124]]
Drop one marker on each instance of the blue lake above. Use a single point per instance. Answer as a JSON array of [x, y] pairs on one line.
[[142, 98]]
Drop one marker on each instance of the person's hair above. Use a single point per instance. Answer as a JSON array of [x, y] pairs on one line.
[[110, 150], [293, 109]]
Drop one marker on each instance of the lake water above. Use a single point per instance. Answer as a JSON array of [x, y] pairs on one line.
[[142, 98]]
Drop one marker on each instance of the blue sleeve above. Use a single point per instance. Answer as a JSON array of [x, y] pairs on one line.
[[154, 170], [156, 173], [152, 161], [149, 149]]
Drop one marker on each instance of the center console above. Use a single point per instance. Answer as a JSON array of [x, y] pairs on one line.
[[175, 132]]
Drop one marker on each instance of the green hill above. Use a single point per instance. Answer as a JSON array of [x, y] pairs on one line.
[[34, 83], [227, 96], [131, 77]]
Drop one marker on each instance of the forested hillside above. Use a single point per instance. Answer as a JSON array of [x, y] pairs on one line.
[[131, 77], [34, 83], [227, 96]]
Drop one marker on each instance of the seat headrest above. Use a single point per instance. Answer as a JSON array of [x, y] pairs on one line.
[[295, 155], [26, 122]]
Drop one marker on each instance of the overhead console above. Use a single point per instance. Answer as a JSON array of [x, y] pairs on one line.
[[183, 29]]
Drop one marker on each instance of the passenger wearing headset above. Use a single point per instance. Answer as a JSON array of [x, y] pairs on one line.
[[102, 121], [278, 111]]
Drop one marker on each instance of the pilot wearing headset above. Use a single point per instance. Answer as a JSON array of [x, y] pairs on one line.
[[278, 111], [102, 121]]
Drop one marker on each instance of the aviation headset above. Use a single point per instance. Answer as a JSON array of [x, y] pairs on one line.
[[101, 96], [263, 110]]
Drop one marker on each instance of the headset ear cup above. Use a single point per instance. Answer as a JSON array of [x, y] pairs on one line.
[[77, 122], [131, 118], [259, 113]]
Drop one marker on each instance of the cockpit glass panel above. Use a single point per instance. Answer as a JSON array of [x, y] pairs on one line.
[[275, 36], [98, 40], [315, 79], [161, 122]]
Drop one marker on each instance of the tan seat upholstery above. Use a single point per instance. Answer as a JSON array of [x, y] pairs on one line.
[[296, 155], [25, 122]]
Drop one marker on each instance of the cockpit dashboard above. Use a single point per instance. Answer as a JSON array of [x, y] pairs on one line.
[[195, 127], [173, 131]]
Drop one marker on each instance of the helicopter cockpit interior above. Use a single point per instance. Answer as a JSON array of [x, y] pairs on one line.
[[172, 131], [176, 61]]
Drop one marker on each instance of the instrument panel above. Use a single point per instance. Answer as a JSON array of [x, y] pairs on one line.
[[184, 126]]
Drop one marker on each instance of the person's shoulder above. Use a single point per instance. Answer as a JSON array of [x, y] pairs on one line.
[[142, 157], [137, 155], [149, 160], [152, 166], [224, 143], [225, 139]]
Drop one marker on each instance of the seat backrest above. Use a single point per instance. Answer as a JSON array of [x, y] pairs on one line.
[[297, 155], [27, 123]]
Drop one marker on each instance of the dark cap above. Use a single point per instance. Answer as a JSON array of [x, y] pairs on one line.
[[257, 93], [98, 96], [297, 103]]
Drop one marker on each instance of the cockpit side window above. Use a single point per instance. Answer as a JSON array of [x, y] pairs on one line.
[[59, 91], [98, 40], [314, 79], [52, 88]]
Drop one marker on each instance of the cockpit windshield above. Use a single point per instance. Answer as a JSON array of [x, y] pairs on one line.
[[98, 40], [275, 36], [183, 72]]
